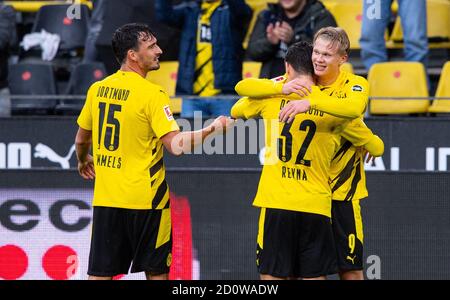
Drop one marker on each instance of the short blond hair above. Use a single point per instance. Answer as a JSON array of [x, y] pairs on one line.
[[335, 35]]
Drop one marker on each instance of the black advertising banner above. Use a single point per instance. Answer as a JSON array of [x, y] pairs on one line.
[[410, 144]]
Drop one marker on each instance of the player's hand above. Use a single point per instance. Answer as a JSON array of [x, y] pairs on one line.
[[293, 108], [271, 36], [221, 124], [297, 86], [368, 158], [86, 168]]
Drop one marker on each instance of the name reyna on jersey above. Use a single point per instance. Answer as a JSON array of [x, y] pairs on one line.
[[293, 173], [113, 93]]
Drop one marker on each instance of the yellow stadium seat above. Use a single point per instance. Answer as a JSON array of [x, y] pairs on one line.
[[438, 22], [398, 79], [34, 6], [253, 3], [251, 69], [348, 67], [329, 4], [166, 77], [348, 15], [443, 90]]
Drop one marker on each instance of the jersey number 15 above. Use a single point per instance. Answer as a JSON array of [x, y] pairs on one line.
[[112, 130]]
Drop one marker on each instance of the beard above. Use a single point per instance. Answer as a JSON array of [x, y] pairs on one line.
[[154, 66]]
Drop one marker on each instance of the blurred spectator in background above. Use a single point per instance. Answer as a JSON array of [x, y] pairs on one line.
[[211, 53], [413, 15], [281, 25], [95, 26], [7, 39], [111, 14]]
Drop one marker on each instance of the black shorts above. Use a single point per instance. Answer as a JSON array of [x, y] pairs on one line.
[[121, 236], [295, 244], [348, 234]]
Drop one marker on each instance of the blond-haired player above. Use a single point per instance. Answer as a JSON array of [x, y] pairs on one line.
[[341, 94]]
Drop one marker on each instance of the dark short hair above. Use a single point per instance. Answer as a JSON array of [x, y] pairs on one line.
[[299, 57], [127, 37]]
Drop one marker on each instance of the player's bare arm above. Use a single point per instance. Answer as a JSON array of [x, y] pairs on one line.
[[83, 141], [178, 143]]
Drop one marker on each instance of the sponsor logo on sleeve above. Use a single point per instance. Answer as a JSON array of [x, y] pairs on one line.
[[277, 79], [168, 113]]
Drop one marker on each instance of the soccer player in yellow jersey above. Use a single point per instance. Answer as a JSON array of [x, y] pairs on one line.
[[127, 121], [339, 91], [295, 238]]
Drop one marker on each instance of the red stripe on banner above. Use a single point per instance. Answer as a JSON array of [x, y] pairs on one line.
[[181, 268]]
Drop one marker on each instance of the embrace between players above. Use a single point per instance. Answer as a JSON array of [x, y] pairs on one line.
[[312, 180]]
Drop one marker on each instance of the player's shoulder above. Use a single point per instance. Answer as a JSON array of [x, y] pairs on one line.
[[276, 99], [153, 87], [248, 102], [157, 90], [103, 81], [272, 105], [356, 78], [94, 86], [149, 88], [356, 83]]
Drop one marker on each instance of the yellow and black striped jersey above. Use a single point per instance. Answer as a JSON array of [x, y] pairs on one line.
[[298, 155], [127, 116], [347, 176], [204, 72]]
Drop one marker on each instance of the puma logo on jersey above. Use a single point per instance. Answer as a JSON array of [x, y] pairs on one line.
[[352, 259]]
